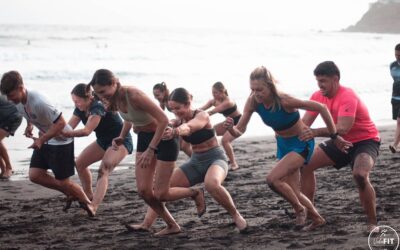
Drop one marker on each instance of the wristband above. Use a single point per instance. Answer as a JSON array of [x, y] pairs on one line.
[[334, 136]]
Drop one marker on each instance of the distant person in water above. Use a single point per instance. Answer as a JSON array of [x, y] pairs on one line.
[[50, 149], [224, 105], [280, 112], [107, 125], [395, 72], [155, 158], [10, 120], [354, 124], [161, 93], [207, 164]]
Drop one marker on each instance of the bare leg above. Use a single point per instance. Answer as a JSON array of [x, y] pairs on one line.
[[144, 182], [213, 184], [227, 139], [294, 181], [88, 156], [65, 186], [308, 181], [178, 179], [363, 164], [396, 137], [110, 160], [5, 164]]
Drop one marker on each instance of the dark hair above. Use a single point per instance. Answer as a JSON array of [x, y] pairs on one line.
[[103, 77], [327, 68], [180, 95], [397, 47], [10, 81], [220, 87], [162, 86], [82, 90]]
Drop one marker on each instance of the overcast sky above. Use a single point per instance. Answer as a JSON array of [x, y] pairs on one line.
[[271, 14]]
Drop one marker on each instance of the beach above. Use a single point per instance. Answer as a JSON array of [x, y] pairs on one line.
[[31, 217]]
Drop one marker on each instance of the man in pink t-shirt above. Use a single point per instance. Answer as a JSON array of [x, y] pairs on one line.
[[354, 124]]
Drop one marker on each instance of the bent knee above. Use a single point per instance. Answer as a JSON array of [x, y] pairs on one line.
[[144, 193], [161, 195], [212, 186]]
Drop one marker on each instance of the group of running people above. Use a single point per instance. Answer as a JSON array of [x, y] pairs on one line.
[[100, 105]]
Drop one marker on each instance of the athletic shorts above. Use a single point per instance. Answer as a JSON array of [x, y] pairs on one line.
[[286, 145], [371, 147], [11, 123], [59, 158], [167, 150], [395, 109], [236, 119], [196, 168], [105, 143]]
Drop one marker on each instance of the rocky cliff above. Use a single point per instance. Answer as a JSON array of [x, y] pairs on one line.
[[382, 17]]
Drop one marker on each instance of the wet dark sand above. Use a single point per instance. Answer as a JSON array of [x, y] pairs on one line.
[[31, 217]]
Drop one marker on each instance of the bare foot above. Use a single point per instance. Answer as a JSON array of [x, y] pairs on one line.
[[169, 230], [89, 208], [7, 174], [234, 166], [241, 223], [301, 217], [316, 223], [200, 201], [68, 203], [392, 149], [137, 228]]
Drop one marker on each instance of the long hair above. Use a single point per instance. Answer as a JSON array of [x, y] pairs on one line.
[[262, 74], [105, 77]]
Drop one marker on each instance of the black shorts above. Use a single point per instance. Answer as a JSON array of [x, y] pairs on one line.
[[371, 147], [395, 109], [166, 150], [59, 158], [236, 119], [11, 123]]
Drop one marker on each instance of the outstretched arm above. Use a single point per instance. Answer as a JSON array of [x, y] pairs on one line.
[[241, 127], [91, 124]]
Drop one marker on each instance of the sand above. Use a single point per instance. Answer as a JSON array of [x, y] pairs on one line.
[[31, 217]]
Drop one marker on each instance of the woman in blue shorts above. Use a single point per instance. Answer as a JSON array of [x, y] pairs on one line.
[[107, 125], [280, 112]]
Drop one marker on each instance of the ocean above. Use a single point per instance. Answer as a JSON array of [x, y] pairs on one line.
[[53, 59]]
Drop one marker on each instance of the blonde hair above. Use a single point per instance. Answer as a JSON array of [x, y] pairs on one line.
[[264, 75]]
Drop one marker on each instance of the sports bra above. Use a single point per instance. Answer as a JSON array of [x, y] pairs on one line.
[[279, 119], [199, 136], [137, 117], [229, 111]]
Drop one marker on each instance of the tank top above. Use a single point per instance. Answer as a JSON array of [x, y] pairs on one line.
[[137, 117]]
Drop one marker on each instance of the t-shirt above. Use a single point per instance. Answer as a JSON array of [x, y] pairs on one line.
[[7, 109], [395, 72], [42, 115], [110, 124], [347, 103]]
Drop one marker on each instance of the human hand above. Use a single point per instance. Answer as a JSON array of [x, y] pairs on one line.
[[228, 123], [168, 134], [307, 134], [37, 143], [145, 158], [116, 142], [28, 131], [342, 144]]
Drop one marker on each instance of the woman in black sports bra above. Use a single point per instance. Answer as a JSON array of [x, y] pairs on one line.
[[224, 105], [161, 93], [208, 162]]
